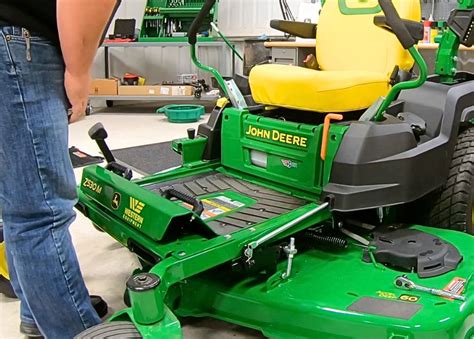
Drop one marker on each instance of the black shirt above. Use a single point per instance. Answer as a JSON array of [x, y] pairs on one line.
[[38, 16]]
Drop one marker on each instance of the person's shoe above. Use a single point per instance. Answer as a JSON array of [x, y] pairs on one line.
[[32, 331], [99, 305], [6, 288]]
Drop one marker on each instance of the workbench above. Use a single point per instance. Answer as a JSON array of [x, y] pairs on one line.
[[294, 52]]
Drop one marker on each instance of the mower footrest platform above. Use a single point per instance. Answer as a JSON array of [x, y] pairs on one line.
[[264, 203]]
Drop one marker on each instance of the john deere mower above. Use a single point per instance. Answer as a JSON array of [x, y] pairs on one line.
[[298, 208]]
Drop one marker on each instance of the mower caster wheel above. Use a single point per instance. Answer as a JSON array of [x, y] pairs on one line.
[[452, 206], [112, 330], [97, 228], [126, 298]]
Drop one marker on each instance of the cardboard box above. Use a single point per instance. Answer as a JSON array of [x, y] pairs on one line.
[[182, 90], [104, 87], [187, 78], [155, 90], [144, 90]]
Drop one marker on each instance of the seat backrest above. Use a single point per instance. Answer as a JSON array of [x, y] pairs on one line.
[[347, 38]]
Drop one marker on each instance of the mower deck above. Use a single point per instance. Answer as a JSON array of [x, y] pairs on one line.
[[336, 295]]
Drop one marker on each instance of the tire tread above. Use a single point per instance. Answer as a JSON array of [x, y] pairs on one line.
[[451, 204], [112, 330]]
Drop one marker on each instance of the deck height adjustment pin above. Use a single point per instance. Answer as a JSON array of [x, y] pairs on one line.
[[290, 251]]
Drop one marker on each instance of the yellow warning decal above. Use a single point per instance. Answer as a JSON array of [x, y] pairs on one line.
[[456, 286], [216, 206]]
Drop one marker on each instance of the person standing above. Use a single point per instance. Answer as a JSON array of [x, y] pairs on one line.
[[47, 49]]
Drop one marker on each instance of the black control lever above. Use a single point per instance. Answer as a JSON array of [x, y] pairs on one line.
[[197, 23], [99, 134], [191, 133], [198, 207]]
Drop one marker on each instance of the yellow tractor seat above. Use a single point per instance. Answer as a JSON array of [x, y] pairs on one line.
[[321, 91], [355, 58]]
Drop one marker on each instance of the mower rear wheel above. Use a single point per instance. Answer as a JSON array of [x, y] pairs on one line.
[[112, 330], [452, 206]]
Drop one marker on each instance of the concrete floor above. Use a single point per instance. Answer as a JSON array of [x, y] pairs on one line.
[[105, 264]]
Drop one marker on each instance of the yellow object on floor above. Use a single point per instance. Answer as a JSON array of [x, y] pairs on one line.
[[356, 59], [3, 262]]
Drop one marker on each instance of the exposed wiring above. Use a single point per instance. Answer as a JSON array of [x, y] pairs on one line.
[[432, 11], [286, 11]]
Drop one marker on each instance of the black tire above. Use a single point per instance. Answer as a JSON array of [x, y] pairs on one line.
[[452, 206], [97, 228], [6, 288], [109, 103], [112, 330]]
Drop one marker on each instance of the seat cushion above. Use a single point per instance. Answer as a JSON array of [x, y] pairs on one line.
[[321, 91], [353, 42]]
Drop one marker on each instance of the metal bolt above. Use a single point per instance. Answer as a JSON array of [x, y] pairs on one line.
[[141, 278]]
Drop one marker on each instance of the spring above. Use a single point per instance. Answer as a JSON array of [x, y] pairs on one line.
[[327, 240]]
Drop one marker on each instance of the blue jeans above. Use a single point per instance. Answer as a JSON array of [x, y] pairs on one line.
[[37, 187]]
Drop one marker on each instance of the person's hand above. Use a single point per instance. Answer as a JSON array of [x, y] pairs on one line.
[[77, 90]]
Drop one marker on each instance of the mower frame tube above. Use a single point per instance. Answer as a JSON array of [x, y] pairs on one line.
[[408, 42], [395, 91], [192, 39]]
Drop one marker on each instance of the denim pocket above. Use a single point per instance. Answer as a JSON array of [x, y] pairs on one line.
[[6, 55], [35, 57]]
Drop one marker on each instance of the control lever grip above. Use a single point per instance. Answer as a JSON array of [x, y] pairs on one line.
[[198, 207], [99, 134], [193, 29], [395, 23]]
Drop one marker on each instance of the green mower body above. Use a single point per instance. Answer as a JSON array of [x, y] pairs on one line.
[[297, 227], [201, 261]]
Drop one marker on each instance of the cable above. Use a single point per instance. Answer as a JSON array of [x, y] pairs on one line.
[[432, 11], [286, 11]]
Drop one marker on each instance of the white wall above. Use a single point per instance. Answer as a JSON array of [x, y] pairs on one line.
[[251, 17], [237, 18]]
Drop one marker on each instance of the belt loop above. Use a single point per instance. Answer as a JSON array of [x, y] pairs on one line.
[[27, 36]]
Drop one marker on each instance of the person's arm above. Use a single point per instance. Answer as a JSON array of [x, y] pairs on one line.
[[81, 24]]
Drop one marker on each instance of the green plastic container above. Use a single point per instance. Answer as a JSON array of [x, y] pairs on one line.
[[182, 113]]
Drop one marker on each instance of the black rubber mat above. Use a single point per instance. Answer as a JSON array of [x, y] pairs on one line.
[[269, 203], [81, 159], [149, 159]]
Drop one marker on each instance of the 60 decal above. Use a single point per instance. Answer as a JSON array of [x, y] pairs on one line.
[[409, 298]]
